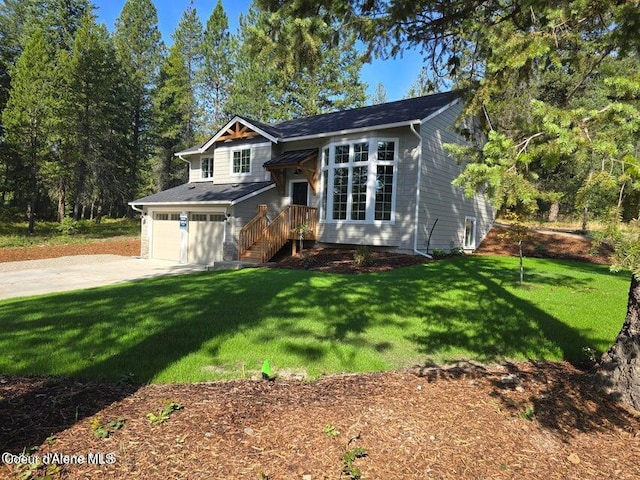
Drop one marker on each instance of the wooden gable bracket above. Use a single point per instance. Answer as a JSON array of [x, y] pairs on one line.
[[310, 174], [278, 176], [237, 132]]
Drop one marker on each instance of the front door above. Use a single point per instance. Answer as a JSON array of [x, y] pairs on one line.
[[300, 193]]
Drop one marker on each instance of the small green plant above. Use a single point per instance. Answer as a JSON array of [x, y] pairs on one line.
[[101, 430], [456, 252], [38, 471], [331, 431], [301, 230], [591, 354], [164, 414], [348, 459], [528, 414], [362, 256], [438, 252]]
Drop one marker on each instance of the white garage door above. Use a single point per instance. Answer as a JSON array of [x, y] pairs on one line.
[[206, 234], [165, 239]]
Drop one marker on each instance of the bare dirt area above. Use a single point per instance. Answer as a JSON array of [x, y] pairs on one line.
[[525, 421], [126, 246]]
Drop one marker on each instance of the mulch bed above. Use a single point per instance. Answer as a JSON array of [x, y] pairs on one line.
[[526, 421], [516, 421]]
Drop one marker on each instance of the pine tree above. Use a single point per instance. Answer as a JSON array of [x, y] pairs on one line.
[[266, 88], [188, 39], [28, 115], [91, 90], [172, 108], [139, 48], [380, 96], [217, 69]]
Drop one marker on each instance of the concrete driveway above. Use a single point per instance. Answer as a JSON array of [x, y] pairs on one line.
[[37, 277]]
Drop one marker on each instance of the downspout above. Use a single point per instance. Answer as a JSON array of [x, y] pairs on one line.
[[417, 213]]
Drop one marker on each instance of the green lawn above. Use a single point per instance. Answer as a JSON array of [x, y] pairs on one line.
[[223, 324], [15, 234]]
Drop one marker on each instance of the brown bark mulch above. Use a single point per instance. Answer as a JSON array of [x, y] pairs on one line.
[[525, 421], [467, 422]]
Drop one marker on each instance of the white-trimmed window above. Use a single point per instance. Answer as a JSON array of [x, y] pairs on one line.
[[358, 181], [469, 233], [241, 161], [206, 167]]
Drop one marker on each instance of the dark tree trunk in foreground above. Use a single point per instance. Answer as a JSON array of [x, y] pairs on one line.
[[620, 367]]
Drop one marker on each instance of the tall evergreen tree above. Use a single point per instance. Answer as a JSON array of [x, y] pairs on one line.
[[188, 39], [268, 89], [28, 114], [91, 93], [217, 68], [139, 48], [172, 109]]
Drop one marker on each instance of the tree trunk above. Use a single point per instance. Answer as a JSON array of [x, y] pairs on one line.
[[585, 218], [31, 216], [62, 200], [521, 265], [620, 366], [553, 211]]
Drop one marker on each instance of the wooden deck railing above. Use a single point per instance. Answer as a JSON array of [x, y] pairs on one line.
[[253, 231], [277, 233]]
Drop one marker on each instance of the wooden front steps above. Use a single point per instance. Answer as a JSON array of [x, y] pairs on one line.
[[260, 239]]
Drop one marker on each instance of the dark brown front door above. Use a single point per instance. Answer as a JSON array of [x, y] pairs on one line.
[[300, 193]]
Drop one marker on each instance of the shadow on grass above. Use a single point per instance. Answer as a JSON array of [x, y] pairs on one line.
[[139, 330]]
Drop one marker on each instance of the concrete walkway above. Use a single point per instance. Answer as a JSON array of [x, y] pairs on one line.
[[37, 277]]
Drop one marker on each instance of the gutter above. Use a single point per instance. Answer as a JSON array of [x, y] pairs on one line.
[[417, 214]]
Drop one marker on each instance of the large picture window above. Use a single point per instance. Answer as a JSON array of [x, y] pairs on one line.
[[358, 181], [242, 161]]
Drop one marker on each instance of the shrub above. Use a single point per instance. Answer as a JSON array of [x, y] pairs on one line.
[[362, 256]]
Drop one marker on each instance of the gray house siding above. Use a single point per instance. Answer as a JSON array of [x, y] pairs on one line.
[[439, 199], [222, 166], [397, 234]]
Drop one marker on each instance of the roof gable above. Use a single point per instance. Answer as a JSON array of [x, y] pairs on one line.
[[384, 115]]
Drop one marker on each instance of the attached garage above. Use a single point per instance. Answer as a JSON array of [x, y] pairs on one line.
[[207, 210]]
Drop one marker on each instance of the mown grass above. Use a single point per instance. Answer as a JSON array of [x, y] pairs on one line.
[[15, 234], [224, 324]]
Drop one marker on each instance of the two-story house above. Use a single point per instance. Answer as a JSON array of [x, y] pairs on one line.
[[376, 176]]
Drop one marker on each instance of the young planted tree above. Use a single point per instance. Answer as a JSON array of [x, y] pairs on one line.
[[28, 115]]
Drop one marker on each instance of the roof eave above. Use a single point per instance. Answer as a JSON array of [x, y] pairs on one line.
[[404, 123], [440, 110]]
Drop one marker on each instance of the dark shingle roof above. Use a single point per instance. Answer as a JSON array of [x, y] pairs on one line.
[[401, 111], [292, 158], [365, 117], [203, 192]]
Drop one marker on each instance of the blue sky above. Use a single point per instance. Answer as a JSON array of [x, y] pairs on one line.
[[396, 75]]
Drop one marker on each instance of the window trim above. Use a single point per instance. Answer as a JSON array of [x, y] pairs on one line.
[[474, 233], [231, 155], [327, 172]]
